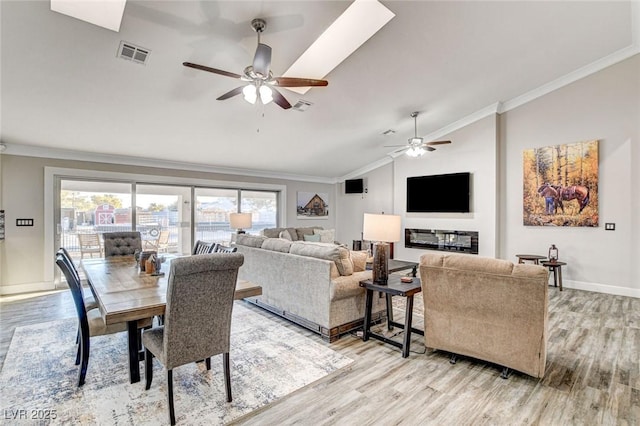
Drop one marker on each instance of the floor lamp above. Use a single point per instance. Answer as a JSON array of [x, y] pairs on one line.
[[382, 229]]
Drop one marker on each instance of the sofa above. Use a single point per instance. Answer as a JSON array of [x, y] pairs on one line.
[[489, 309], [313, 284]]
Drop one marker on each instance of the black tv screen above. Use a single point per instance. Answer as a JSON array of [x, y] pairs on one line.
[[438, 193], [353, 186]]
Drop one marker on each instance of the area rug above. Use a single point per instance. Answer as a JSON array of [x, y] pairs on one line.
[[268, 361]]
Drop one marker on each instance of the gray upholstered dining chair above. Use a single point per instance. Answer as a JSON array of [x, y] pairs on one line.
[[121, 243], [197, 320], [203, 247]]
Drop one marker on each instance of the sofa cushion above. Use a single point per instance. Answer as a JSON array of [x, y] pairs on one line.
[[301, 232], [313, 238], [277, 244], [272, 232], [250, 240], [338, 254], [359, 260], [285, 234], [326, 235]]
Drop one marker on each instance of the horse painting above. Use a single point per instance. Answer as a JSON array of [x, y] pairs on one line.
[[568, 193]]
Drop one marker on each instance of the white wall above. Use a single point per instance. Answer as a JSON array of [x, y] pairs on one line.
[[352, 207], [473, 149], [603, 106]]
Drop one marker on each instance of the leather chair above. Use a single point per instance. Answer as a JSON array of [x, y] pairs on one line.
[[121, 243], [90, 322], [197, 321]]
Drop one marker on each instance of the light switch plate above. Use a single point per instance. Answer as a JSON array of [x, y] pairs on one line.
[[24, 222], [609, 226]]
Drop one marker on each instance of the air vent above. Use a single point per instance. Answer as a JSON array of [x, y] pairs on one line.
[[133, 53], [302, 105]]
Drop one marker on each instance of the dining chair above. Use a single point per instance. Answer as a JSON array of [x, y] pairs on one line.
[[89, 301], [197, 321], [219, 248], [89, 244], [203, 247], [90, 322], [160, 244], [121, 243]]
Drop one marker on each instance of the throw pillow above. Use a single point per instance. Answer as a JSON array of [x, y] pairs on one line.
[[359, 259], [326, 235], [286, 235], [313, 238], [302, 232]]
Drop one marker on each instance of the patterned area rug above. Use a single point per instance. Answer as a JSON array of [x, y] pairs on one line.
[[268, 361]]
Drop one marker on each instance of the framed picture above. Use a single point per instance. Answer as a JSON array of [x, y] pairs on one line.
[[312, 205], [560, 185]]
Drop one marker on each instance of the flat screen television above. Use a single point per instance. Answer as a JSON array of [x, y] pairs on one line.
[[447, 193], [354, 186]]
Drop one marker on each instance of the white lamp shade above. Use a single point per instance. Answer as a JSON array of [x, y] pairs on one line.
[[250, 93], [240, 220], [382, 227]]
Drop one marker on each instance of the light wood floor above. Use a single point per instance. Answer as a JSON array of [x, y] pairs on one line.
[[592, 377]]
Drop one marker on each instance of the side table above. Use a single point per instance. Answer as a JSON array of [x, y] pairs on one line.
[[394, 287], [556, 268]]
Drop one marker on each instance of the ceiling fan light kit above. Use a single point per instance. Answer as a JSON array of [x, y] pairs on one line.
[[416, 146], [261, 82]]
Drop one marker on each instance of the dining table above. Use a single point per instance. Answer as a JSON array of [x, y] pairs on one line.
[[124, 293]]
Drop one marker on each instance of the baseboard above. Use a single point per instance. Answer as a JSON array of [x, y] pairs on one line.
[[602, 288], [26, 288]]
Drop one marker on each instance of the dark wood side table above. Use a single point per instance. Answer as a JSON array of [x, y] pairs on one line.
[[556, 268], [535, 258], [394, 287]]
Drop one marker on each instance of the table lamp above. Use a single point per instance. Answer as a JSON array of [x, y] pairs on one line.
[[382, 229], [240, 221]]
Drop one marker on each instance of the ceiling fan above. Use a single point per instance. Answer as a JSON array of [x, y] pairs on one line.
[[260, 80], [416, 146]]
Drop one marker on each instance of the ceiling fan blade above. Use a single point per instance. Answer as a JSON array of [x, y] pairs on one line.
[[213, 70], [280, 100], [396, 146], [429, 148], [230, 93], [298, 82], [262, 60], [437, 143]]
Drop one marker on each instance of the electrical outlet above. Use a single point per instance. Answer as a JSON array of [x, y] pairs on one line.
[[24, 222], [610, 226]]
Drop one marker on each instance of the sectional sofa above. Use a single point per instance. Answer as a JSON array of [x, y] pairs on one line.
[[313, 284]]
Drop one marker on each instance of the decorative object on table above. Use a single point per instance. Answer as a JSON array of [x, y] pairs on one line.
[[553, 253], [144, 255], [382, 229], [240, 221], [150, 264], [312, 205], [554, 176]]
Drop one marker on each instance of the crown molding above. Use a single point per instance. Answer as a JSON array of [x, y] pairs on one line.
[[62, 154], [572, 77]]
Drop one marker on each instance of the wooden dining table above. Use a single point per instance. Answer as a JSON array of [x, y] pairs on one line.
[[126, 294]]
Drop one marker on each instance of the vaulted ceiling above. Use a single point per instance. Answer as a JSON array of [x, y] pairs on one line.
[[63, 88]]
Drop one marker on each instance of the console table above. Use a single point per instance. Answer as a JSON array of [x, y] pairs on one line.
[[394, 287]]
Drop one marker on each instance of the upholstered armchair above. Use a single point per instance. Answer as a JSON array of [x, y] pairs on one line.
[[121, 243], [197, 320]]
